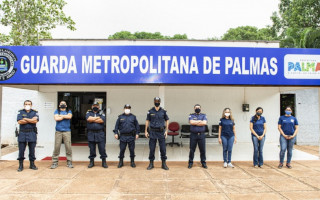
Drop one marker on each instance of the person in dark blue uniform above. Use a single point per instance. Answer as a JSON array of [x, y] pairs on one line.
[[288, 127], [227, 136], [258, 130], [158, 122], [96, 136], [27, 118], [198, 121], [128, 127]]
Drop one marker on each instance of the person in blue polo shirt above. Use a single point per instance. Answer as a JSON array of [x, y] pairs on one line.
[[198, 121], [288, 127], [258, 131], [227, 136], [27, 119], [62, 116]]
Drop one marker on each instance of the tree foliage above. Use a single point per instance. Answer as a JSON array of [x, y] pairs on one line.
[[31, 20], [298, 23], [126, 35], [249, 33]]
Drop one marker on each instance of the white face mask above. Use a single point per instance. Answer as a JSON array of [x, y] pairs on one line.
[[227, 114], [27, 107], [127, 111]]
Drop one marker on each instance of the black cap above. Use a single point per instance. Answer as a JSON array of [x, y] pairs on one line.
[[157, 99], [127, 106], [95, 103]]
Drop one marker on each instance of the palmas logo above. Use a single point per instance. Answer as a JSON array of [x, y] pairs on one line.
[[7, 59], [297, 66]]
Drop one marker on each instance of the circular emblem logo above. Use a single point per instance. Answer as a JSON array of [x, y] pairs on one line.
[[7, 59]]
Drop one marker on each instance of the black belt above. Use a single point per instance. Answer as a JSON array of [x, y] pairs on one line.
[[95, 131], [126, 134], [198, 133], [27, 130], [157, 129]]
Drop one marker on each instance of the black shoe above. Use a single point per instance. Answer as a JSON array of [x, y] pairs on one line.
[[120, 163], [133, 165], [204, 165], [190, 165], [91, 164], [20, 166], [104, 163], [150, 165], [164, 165], [280, 165], [32, 166]]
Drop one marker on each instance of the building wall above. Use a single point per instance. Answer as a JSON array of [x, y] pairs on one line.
[[177, 100]]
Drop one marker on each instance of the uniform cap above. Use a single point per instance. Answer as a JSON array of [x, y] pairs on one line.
[[95, 103], [157, 99], [127, 106]]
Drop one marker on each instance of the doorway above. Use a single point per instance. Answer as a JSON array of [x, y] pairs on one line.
[[288, 100], [79, 103]]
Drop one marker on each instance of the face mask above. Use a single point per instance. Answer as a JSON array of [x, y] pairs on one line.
[[227, 114], [127, 111], [288, 112], [197, 110], [157, 104], [259, 114], [95, 109], [63, 106], [27, 107]]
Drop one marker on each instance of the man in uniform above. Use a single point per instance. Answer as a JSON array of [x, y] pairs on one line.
[[62, 116], [96, 136], [198, 121], [27, 118], [129, 129], [158, 120]]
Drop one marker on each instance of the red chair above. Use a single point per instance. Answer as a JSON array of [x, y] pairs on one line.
[[173, 128]]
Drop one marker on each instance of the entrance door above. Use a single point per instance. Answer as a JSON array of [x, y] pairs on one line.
[[287, 100], [79, 103]]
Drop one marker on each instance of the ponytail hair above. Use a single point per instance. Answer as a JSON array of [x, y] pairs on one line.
[[255, 117]]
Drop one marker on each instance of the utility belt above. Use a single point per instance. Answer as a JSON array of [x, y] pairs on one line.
[[132, 133], [96, 131], [161, 129], [198, 133], [29, 130]]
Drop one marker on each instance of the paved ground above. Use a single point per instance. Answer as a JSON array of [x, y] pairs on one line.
[[242, 182]]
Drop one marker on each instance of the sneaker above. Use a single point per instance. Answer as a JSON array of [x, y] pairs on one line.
[[54, 165], [288, 165], [261, 166], [69, 164], [280, 165], [230, 165], [255, 166], [225, 165]]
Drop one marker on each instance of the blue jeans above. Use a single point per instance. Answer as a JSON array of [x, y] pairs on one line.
[[227, 144], [257, 150], [284, 146]]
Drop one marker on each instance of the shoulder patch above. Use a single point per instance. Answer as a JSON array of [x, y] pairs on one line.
[[89, 110]]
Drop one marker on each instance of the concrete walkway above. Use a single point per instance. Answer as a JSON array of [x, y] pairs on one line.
[[242, 182]]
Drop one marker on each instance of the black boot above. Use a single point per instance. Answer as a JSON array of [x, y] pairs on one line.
[[91, 164], [132, 163], [150, 165], [164, 165], [104, 163], [32, 166], [20, 166], [120, 163]]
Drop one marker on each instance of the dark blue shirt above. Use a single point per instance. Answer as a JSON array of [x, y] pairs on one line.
[[95, 126], [226, 127], [198, 129], [258, 126], [127, 124], [157, 118], [288, 124], [63, 125], [27, 131]]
